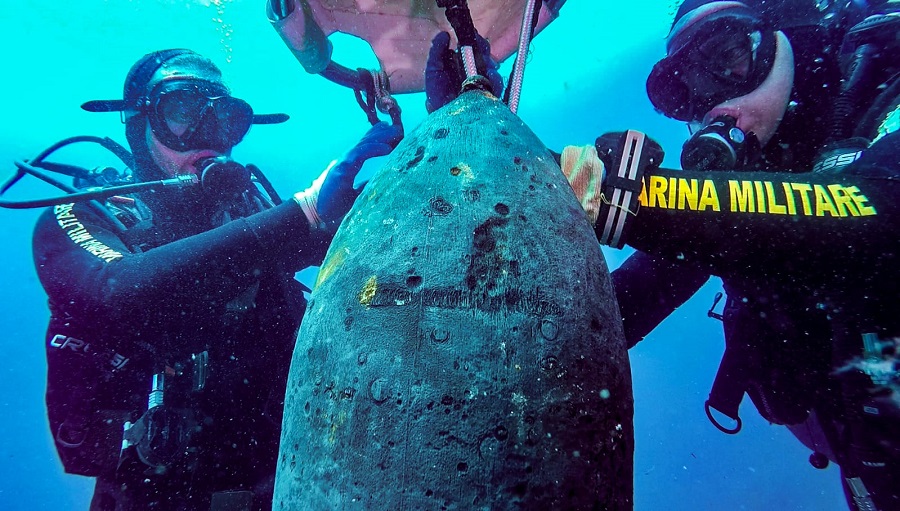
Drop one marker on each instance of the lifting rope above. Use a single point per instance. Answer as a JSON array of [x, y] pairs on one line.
[[400, 32]]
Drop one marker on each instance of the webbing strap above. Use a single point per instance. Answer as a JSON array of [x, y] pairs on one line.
[[622, 188]]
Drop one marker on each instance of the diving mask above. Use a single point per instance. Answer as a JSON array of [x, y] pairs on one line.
[[727, 55], [195, 114]]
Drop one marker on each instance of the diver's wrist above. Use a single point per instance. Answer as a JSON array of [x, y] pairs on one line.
[[306, 199]]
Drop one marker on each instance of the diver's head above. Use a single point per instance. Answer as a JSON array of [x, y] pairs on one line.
[[723, 59], [177, 110]]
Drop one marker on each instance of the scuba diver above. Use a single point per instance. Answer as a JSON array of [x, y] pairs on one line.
[[174, 310], [788, 193], [800, 107]]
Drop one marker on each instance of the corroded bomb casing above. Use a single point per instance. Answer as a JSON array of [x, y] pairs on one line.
[[462, 347]]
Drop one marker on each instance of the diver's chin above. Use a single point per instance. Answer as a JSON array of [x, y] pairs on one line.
[[761, 110], [723, 110]]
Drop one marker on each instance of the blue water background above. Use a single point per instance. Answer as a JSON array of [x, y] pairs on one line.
[[585, 76]]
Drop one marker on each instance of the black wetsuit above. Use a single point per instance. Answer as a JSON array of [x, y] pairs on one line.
[[649, 288], [809, 262], [120, 315]]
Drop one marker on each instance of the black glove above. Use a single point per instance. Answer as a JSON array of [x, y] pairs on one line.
[[444, 72], [627, 156], [610, 150]]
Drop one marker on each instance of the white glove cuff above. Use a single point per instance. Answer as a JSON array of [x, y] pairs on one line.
[[308, 200]]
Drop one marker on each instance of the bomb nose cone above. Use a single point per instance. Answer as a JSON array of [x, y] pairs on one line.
[[462, 346]]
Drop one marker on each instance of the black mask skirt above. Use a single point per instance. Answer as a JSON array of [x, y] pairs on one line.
[[715, 60], [195, 114]]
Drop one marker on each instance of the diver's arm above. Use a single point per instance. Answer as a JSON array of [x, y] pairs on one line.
[[649, 288], [84, 265], [814, 226]]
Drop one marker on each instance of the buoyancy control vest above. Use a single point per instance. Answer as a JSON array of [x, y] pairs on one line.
[[95, 393]]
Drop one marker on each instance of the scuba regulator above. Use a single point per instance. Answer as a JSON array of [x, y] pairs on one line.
[[720, 145], [228, 191], [226, 187]]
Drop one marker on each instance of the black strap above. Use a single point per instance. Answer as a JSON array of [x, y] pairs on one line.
[[739, 365], [626, 156], [367, 103], [265, 183], [728, 388], [728, 431], [457, 12]]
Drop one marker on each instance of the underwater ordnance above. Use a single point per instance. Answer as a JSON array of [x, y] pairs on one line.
[[462, 347]]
